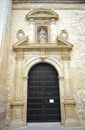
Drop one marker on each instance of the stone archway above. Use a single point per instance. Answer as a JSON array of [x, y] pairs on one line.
[[57, 66], [43, 96]]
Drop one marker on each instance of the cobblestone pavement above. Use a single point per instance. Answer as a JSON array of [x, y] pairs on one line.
[[44, 126]]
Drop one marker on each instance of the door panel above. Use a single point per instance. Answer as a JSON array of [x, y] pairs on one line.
[[43, 100]]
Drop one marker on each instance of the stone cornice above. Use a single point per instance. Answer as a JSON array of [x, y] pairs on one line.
[[49, 46], [17, 102], [51, 1], [24, 6], [60, 45], [69, 101]]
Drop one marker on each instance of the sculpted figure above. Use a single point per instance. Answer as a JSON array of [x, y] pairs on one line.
[[42, 36]]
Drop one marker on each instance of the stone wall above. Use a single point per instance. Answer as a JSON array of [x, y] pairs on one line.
[[5, 9], [71, 20], [80, 107], [3, 96]]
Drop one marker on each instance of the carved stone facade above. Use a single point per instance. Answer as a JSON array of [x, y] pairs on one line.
[[45, 35], [43, 48]]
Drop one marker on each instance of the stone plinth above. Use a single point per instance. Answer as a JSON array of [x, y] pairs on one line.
[[70, 114], [17, 112]]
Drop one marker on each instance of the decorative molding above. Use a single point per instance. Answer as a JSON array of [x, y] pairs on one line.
[[69, 102], [25, 6], [61, 78], [62, 42], [24, 78], [43, 46], [61, 45], [43, 54], [51, 1], [65, 56], [17, 103], [42, 13], [63, 34], [19, 55], [20, 34]]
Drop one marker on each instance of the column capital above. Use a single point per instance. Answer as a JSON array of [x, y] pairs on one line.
[[25, 77], [20, 55], [61, 78], [65, 56]]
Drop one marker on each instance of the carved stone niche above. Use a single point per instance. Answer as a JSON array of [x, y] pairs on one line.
[[42, 34], [42, 18]]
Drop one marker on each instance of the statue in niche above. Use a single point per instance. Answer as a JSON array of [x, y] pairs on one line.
[[42, 36]]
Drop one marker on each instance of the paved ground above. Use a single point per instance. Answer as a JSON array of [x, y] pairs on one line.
[[43, 126]]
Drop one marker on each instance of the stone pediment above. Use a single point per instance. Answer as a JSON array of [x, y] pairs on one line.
[[22, 42], [63, 42], [60, 45], [42, 13]]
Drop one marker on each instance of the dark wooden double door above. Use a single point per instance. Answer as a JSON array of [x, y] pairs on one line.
[[43, 100]]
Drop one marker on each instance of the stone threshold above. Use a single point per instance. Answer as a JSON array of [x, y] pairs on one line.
[[44, 124]]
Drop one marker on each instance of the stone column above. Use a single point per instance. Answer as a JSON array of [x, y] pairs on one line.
[[31, 31], [67, 75], [84, 84], [25, 99], [68, 103], [18, 104], [61, 84], [62, 93], [18, 80], [53, 31]]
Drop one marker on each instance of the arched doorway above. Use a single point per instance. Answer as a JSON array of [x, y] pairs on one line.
[[43, 99]]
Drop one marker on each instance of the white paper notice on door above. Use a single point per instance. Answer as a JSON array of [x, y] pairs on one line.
[[51, 100]]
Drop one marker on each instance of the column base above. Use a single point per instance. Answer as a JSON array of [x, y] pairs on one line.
[[16, 123], [70, 113], [17, 114], [71, 122]]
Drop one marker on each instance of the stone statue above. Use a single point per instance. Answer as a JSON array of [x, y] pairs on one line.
[[42, 36]]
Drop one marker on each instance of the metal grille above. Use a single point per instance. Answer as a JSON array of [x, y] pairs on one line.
[[43, 101]]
